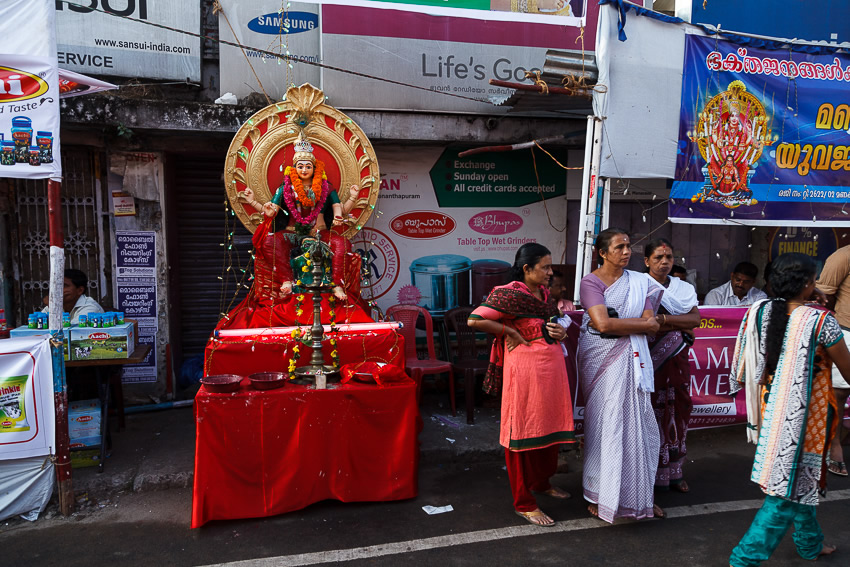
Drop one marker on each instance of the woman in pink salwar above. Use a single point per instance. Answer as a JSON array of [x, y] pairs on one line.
[[621, 440], [527, 364]]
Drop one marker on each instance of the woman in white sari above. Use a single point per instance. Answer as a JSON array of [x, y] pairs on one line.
[[615, 369], [678, 315]]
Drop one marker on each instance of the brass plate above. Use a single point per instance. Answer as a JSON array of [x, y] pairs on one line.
[[262, 148]]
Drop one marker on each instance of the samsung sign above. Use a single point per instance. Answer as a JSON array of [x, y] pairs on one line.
[[293, 22]]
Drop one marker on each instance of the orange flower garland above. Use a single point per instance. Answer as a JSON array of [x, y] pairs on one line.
[[298, 185]]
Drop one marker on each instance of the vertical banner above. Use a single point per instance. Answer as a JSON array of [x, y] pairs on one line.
[[135, 254], [762, 137], [27, 418], [29, 91]]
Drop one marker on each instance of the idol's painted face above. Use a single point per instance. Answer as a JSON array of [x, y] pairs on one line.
[[660, 262], [304, 169]]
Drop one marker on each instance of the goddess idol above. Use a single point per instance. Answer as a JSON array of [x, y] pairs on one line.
[[280, 147]]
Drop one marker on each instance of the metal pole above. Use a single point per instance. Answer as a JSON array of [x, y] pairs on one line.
[[60, 391], [590, 199]]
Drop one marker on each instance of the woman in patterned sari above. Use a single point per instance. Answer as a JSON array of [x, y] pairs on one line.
[[527, 359], [621, 439], [782, 360], [671, 400]]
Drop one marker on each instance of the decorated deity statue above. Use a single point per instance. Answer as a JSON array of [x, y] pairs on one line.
[[281, 189], [309, 202]]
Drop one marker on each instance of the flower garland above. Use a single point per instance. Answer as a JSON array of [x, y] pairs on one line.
[[319, 177]]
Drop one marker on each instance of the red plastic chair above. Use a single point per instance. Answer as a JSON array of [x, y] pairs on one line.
[[466, 360], [407, 315]]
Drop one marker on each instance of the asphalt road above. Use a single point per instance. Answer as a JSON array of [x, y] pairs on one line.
[[143, 529]]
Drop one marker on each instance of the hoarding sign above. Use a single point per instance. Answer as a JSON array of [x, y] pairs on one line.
[[98, 36], [762, 137], [435, 244], [29, 91], [447, 55]]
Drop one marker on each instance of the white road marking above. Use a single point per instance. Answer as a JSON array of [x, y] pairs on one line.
[[371, 551]]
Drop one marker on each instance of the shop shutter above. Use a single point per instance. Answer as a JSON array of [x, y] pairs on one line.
[[201, 225]]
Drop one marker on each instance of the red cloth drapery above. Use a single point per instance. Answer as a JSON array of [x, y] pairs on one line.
[[261, 453]]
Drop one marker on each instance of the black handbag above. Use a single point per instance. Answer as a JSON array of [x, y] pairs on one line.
[[612, 314]]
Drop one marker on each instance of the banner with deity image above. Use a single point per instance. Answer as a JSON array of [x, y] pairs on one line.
[[762, 137]]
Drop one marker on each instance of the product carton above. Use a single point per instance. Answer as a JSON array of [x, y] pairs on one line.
[[24, 331], [84, 423], [90, 343]]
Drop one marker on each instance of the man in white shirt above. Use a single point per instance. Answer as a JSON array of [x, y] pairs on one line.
[[74, 298], [739, 290]]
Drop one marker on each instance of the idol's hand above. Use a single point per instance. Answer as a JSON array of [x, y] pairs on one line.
[[285, 289], [247, 195], [339, 293], [353, 193], [270, 209]]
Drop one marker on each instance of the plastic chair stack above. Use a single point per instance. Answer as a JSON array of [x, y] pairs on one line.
[[408, 315], [466, 361]]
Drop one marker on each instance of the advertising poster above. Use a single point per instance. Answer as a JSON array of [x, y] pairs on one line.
[[29, 91], [26, 398], [144, 371], [111, 38], [135, 253], [447, 228], [762, 137], [453, 48], [261, 25]]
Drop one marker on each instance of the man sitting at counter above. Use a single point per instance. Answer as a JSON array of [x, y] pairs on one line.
[[740, 290], [74, 298]]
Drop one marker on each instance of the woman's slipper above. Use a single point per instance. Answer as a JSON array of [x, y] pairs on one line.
[[836, 467], [556, 492], [537, 518], [680, 487]]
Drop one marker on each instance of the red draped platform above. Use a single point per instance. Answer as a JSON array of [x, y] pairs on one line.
[[261, 453]]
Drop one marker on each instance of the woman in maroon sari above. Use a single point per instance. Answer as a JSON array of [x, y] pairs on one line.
[[671, 400]]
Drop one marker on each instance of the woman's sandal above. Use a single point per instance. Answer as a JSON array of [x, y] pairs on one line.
[[536, 517], [556, 492], [680, 487], [836, 467]]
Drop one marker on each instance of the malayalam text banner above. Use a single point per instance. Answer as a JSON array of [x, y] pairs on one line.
[[762, 137]]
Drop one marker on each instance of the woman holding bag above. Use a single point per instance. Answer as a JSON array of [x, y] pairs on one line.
[[527, 364]]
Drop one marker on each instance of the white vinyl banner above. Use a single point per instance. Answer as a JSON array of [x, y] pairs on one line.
[[29, 91], [113, 37], [27, 419]]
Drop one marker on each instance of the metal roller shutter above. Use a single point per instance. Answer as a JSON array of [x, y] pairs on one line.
[[204, 287]]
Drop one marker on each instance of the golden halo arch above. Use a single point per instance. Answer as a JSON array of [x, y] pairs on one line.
[[263, 146]]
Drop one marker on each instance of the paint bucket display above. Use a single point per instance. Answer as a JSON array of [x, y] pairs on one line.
[[487, 274], [443, 281]]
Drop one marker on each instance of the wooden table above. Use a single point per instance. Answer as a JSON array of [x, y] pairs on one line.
[[139, 354]]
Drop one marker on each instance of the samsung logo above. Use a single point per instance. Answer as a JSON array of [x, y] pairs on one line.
[[289, 23]]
